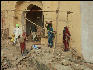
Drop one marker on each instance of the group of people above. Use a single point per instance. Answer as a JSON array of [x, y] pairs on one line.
[[36, 33], [19, 37], [51, 35]]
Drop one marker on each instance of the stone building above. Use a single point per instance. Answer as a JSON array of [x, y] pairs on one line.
[[79, 21]]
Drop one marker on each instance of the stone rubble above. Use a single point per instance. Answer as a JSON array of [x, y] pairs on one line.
[[42, 59]]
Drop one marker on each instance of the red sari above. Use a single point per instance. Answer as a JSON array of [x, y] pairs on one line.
[[66, 39]]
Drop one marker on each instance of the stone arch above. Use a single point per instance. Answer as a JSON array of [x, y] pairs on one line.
[[21, 7], [34, 16]]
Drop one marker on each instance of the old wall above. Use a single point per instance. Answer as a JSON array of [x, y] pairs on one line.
[[6, 7], [60, 20], [74, 23], [50, 16], [87, 30]]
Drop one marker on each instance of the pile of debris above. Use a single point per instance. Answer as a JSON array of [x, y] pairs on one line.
[[30, 63], [70, 59], [44, 58], [5, 63]]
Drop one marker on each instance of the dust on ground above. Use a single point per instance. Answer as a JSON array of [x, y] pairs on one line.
[[44, 58]]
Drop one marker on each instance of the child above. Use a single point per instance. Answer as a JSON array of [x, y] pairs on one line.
[[22, 44], [12, 39]]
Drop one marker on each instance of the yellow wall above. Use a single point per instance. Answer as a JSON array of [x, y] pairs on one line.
[[9, 15], [74, 23]]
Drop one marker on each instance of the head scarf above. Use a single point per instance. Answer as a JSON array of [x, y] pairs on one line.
[[17, 25]]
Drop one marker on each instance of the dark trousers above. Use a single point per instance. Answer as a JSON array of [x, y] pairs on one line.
[[50, 42]]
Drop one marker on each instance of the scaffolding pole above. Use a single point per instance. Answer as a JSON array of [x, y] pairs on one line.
[[57, 12]]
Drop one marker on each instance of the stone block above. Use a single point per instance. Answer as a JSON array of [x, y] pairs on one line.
[[44, 41]]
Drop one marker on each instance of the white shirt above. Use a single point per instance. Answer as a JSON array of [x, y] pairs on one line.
[[17, 32]]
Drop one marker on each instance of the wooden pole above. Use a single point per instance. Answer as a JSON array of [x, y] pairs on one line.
[[57, 12]]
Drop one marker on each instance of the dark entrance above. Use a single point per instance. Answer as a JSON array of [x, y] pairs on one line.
[[36, 20]]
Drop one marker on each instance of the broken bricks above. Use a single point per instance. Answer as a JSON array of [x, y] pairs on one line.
[[5, 63]]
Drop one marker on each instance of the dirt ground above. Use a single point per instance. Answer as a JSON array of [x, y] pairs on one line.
[[44, 58]]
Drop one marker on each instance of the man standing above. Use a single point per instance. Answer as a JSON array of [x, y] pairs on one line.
[[50, 37], [34, 30], [17, 32], [66, 38]]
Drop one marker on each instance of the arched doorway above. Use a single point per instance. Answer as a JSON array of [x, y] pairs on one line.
[[34, 22], [21, 10]]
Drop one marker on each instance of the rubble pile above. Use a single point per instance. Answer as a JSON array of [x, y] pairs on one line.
[[31, 64], [5, 63], [68, 59], [44, 58]]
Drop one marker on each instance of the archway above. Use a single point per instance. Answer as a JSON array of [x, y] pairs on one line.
[[34, 22], [20, 10], [22, 14]]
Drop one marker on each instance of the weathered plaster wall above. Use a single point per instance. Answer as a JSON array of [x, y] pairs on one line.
[[87, 30], [9, 15], [74, 23], [50, 16]]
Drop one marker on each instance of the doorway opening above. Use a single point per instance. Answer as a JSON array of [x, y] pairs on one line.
[[35, 25]]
